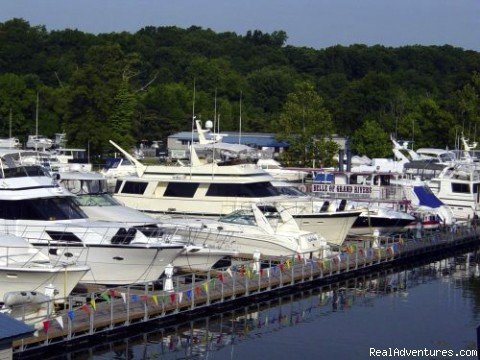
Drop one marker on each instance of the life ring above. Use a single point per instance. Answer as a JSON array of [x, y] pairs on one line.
[[302, 188]]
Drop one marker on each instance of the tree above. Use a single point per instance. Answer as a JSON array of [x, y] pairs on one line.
[[371, 140], [307, 126]]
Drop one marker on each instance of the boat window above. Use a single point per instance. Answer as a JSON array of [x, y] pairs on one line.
[[290, 190], [118, 184], [49, 209], [461, 188], [134, 187], [96, 200], [80, 187], [23, 171], [241, 217], [181, 189], [260, 189]]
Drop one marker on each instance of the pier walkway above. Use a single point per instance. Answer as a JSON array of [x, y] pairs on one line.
[[106, 311]]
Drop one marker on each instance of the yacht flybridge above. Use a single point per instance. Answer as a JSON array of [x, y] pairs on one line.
[[213, 189], [33, 206]]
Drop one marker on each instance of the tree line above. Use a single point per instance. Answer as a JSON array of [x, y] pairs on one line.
[[132, 86]]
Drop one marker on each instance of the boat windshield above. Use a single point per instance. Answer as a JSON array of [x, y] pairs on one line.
[[96, 200], [82, 187], [291, 190], [241, 217], [45, 209], [23, 171]]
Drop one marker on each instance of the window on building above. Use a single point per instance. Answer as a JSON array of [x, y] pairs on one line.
[[181, 189]]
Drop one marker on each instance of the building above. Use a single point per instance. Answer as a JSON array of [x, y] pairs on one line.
[[177, 144], [10, 331]]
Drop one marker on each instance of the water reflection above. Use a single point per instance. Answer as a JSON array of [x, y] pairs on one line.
[[267, 325]]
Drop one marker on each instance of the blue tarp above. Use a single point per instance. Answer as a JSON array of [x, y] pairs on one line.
[[426, 197]]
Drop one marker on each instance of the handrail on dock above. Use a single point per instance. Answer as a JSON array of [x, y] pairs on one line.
[[108, 309]]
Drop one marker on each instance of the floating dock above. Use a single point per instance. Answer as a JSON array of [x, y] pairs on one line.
[[108, 311]]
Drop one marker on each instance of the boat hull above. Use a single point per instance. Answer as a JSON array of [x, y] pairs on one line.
[[115, 264], [61, 280]]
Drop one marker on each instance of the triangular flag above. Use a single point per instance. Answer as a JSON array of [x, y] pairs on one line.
[[144, 298], [213, 281], [299, 258], [198, 291], [112, 293], [220, 277], [180, 296], [155, 299], [94, 305], [85, 308], [60, 321], [35, 333], [281, 266], [205, 286], [104, 296], [172, 298], [134, 298], [261, 272], [46, 325], [71, 315], [189, 294], [124, 297], [229, 272]]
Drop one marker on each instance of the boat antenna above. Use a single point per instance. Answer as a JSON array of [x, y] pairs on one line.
[[10, 124], [240, 120], [214, 124], [193, 126], [36, 124]]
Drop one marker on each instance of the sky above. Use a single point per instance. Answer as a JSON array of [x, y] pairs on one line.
[[311, 23]]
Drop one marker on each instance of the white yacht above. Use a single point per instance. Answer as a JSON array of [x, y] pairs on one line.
[[92, 197], [34, 207], [266, 229], [38, 142], [25, 268], [374, 217], [214, 189], [278, 172]]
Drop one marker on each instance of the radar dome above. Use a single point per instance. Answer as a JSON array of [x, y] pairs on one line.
[[209, 124]]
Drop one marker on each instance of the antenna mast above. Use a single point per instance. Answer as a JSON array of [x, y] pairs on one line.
[[240, 127], [36, 125]]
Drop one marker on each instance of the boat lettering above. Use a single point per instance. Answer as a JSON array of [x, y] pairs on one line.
[[352, 189]]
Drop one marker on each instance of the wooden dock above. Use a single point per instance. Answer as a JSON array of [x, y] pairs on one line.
[[107, 311]]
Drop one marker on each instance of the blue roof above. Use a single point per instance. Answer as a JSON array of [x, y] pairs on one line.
[[11, 328]]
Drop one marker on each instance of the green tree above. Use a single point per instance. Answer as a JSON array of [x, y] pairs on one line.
[[371, 140], [307, 126]]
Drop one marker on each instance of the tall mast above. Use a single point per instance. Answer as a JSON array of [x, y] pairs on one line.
[[240, 127], [193, 126], [36, 124], [10, 124]]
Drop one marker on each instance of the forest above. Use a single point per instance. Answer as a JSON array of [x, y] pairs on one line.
[[133, 86]]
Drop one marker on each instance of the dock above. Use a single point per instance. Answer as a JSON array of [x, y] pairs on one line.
[[107, 311]]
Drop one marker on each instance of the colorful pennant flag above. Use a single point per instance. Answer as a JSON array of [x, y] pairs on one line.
[[124, 297], [104, 296], [46, 325], [189, 294], [205, 286], [144, 298], [59, 320], [71, 315], [134, 297], [155, 299], [85, 308], [93, 304], [172, 298], [220, 277], [180, 296], [198, 291]]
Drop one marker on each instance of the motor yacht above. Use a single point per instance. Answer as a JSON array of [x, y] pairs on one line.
[[213, 189], [25, 268], [34, 206]]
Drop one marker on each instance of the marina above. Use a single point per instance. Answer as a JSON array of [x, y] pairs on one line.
[[117, 309]]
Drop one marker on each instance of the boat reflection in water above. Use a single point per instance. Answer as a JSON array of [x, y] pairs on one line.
[[342, 321]]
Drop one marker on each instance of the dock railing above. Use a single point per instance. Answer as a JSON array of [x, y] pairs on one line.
[[107, 309]]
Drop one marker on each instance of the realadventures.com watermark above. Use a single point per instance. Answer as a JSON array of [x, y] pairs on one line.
[[403, 352]]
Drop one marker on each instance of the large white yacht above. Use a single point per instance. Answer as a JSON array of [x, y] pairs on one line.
[[91, 195], [252, 231], [214, 189], [25, 268], [34, 207]]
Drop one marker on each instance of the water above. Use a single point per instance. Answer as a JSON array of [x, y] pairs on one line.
[[436, 306]]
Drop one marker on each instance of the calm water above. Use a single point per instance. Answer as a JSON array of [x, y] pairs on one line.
[[436, 306]]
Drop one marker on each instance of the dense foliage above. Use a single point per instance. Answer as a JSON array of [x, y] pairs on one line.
[[125, 86]]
